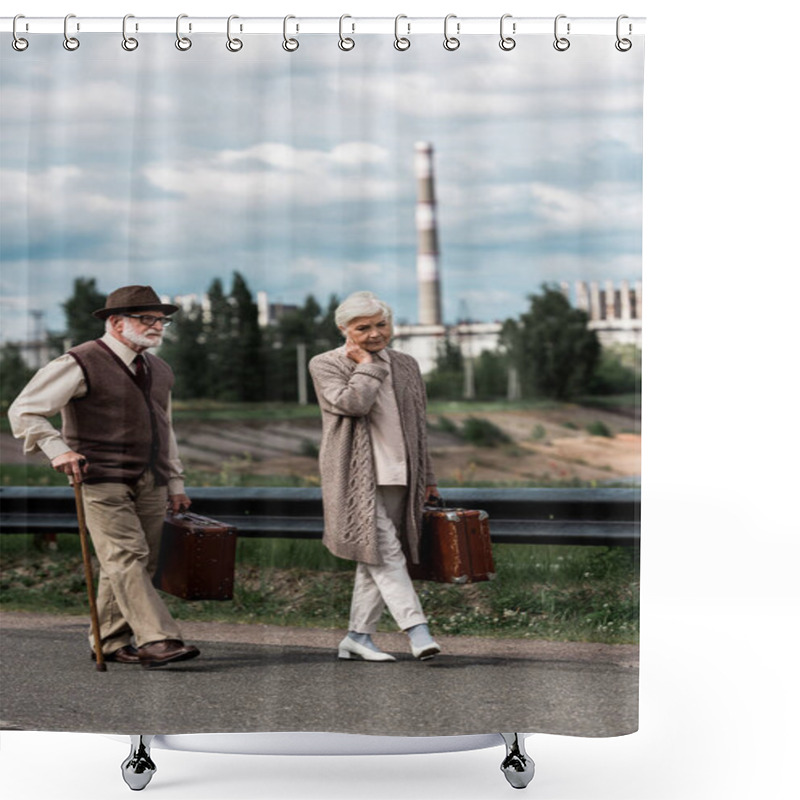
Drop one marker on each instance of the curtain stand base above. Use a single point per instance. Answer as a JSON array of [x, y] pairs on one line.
[[138, 768]]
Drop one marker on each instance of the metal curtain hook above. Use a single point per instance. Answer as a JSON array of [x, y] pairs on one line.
[[451, 42], [234, 45], [128, 42], [70, 42], [18, 43], [182, 42], [506, 42], [561, 43], [345, 43], [401, 42], [623, 45], [290, 45]]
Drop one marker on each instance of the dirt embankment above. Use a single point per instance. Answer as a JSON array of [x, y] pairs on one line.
[[550, 445]]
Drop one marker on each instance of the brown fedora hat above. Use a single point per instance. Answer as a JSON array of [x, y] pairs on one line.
[[133, 298]]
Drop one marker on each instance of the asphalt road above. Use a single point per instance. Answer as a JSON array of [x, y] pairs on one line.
[[261, 678]]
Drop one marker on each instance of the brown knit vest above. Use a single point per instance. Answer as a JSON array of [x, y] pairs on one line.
[[121, 428]]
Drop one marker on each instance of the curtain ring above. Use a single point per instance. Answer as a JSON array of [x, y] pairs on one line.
[[128, 42], [451, 42], [234, 45], [18, 43], [345, 43], [506, 42], [289, 45], [561, 43], [183, 43], [70, 42], [623, 45], [401, 42]]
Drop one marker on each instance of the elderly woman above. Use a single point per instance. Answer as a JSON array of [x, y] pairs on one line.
[[376, 473]]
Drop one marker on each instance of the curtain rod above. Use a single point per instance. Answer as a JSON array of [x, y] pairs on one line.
[[348, 25]]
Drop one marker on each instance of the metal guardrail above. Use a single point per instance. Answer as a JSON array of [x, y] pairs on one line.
[[609, 517]]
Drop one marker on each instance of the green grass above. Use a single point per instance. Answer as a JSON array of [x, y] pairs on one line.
[[234, 472], [630, 402], [203, 410], [31, 474], [485, 406], [541, 591]]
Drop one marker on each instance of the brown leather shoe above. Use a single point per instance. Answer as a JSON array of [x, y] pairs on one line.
[[156, 654], [124, 655]]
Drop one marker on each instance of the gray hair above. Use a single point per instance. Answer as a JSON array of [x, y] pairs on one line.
[[361, 304]]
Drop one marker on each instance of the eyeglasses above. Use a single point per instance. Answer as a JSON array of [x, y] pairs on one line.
[[149, 321]]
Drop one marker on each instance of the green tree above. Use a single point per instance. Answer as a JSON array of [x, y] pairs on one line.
[[307, 326], [185, 351], [219, 344], [81, 325], [247, 357], [554, 351], [618, 371], [491, 376], [446, 380], [328, 335], [218, 350], [14, 373]]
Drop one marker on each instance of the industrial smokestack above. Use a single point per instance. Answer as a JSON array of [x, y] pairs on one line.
[[430, 303]]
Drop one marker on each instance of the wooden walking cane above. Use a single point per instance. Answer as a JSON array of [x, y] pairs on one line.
[[87, 568]]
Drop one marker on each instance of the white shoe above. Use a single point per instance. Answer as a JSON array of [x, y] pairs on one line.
[[426, 651], [350, 649], [423, 646]]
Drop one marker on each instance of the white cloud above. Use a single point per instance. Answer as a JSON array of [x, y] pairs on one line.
[[512, 212], [64, 195], [606, 205], [116, 99], [296, 159], [356, 153], [299, 176]]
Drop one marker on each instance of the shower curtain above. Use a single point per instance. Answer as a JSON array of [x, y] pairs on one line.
[[492, 197]]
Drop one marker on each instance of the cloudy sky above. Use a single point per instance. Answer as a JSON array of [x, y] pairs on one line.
[[172, 168]]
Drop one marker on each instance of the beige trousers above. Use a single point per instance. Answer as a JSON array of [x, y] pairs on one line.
[[386, 585], [125, 524]]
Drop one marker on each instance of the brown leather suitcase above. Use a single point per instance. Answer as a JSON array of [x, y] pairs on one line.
[[455, 547], [197, 558]]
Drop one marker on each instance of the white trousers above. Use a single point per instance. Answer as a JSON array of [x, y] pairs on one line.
[[386, 585]]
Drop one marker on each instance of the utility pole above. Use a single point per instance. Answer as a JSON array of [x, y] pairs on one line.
[[38, 337], [302, 386]]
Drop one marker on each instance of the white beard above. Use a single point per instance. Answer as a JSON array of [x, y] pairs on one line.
[[140, 339]]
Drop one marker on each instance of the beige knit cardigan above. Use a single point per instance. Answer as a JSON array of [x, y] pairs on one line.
[[346, 392]]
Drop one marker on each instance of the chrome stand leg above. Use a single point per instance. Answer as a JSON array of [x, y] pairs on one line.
[[518, 766], [138, 768]]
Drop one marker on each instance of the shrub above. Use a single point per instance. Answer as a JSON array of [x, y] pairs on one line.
[[483, 433], [446, 425], [598, 428], [308, 447]]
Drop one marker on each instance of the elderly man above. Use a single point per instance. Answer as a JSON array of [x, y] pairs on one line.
[[117, 439]]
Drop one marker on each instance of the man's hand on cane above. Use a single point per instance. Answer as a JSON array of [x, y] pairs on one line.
[[72, 464]]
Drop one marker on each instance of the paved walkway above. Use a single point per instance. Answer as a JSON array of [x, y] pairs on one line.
[[270, 678]]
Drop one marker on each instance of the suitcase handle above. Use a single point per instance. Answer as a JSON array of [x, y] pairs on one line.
[[438, 503]]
